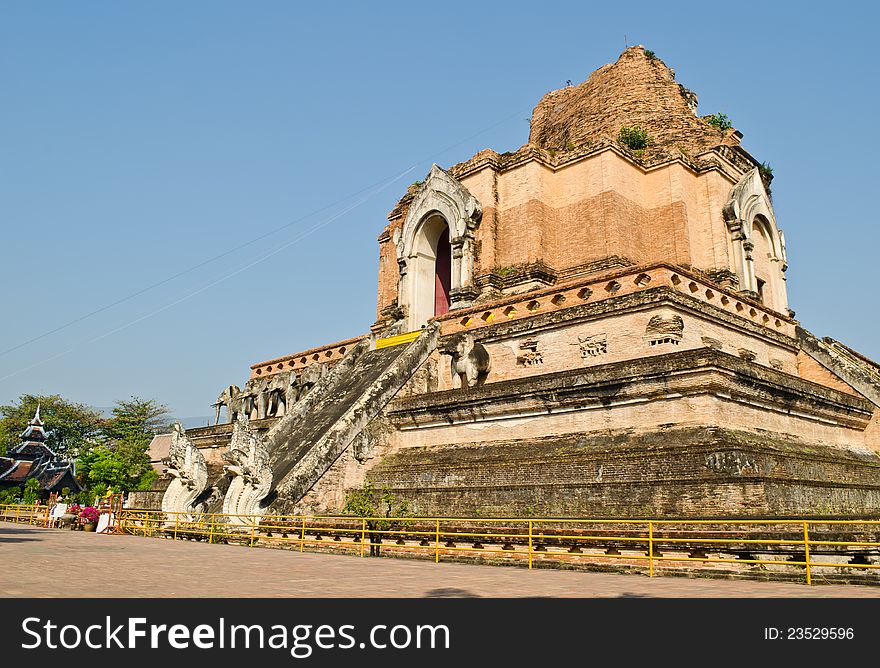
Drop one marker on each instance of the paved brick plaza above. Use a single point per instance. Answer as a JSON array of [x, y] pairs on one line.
[[35, 560]]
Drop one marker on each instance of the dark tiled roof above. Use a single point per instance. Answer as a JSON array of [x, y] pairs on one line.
[[6, 465], [34, 433], [20, 472], [52, 479], [31, 450]]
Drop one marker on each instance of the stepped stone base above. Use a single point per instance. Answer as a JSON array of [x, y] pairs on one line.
[[667, 472]]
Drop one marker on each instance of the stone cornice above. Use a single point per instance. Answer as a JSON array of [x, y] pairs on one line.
[[638, 301], [330, 353], [745, 311], [692, 372]]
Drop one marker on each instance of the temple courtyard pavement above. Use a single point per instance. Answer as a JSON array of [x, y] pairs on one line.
[[41, 562]]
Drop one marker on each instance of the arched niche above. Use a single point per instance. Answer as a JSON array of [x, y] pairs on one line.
[[757, 244], [430, 269], [443, 211]]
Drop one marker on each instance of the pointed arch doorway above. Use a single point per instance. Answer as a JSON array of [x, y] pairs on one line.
[[430, 271], [442, 273], [436, 250]]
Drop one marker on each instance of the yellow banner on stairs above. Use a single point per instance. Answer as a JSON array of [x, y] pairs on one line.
[[398, 340]]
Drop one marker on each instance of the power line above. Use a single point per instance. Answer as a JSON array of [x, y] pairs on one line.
[[217, 281], [232, 250], [370, 191]]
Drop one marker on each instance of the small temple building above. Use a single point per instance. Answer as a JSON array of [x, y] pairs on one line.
[[33, 459], [596, 324]]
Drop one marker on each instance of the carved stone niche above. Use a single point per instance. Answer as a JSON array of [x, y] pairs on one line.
[[664, 329], [593, 346], [440, 203], [730, 463], [529, 354], [709, 342]]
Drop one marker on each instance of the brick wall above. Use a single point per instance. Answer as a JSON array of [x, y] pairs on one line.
[[666, 472]]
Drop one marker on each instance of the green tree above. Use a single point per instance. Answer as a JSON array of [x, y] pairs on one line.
[[366, 501], [69, 426], [121, 460], [121, 468], [136, 420], [31, 492]]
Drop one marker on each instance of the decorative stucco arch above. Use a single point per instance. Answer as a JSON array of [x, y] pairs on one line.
[[750, 221], [440, 201]]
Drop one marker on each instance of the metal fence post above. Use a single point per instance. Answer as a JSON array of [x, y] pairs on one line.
[[650, 549], [530, 543], [437, 543], [363, 535], [211, 530], [146, 523], [302, 535], [253, 529], [807, 553]]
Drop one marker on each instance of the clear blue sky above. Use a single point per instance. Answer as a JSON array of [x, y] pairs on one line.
[[140, 139]]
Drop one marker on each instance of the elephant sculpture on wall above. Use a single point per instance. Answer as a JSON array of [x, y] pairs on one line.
[[268, 396], [275, 390], [247, 399], [227, 398], [470, 360], [263, 397], [301, 383]]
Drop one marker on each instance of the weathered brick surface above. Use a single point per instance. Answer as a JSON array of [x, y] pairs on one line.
[[573, 195], [810, 369], [668, 472], [635, 90]]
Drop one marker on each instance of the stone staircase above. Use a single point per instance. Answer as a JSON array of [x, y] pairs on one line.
[[305, 442], [857, 370]]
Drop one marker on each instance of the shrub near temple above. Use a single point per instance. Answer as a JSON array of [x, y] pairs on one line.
[[634, 137], [89, 515]]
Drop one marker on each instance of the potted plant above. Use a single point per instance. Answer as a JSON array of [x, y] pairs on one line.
[[72, 517], [88, 517]]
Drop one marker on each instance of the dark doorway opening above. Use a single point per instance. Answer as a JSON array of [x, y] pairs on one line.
[[442, 274]]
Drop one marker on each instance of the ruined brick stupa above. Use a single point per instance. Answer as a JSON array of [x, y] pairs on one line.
[[596, 324]]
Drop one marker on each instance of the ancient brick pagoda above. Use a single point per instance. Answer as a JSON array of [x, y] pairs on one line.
[[576, 328]]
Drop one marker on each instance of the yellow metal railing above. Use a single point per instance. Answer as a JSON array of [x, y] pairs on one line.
[[33, 514], [817, 547], [840, 545]]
